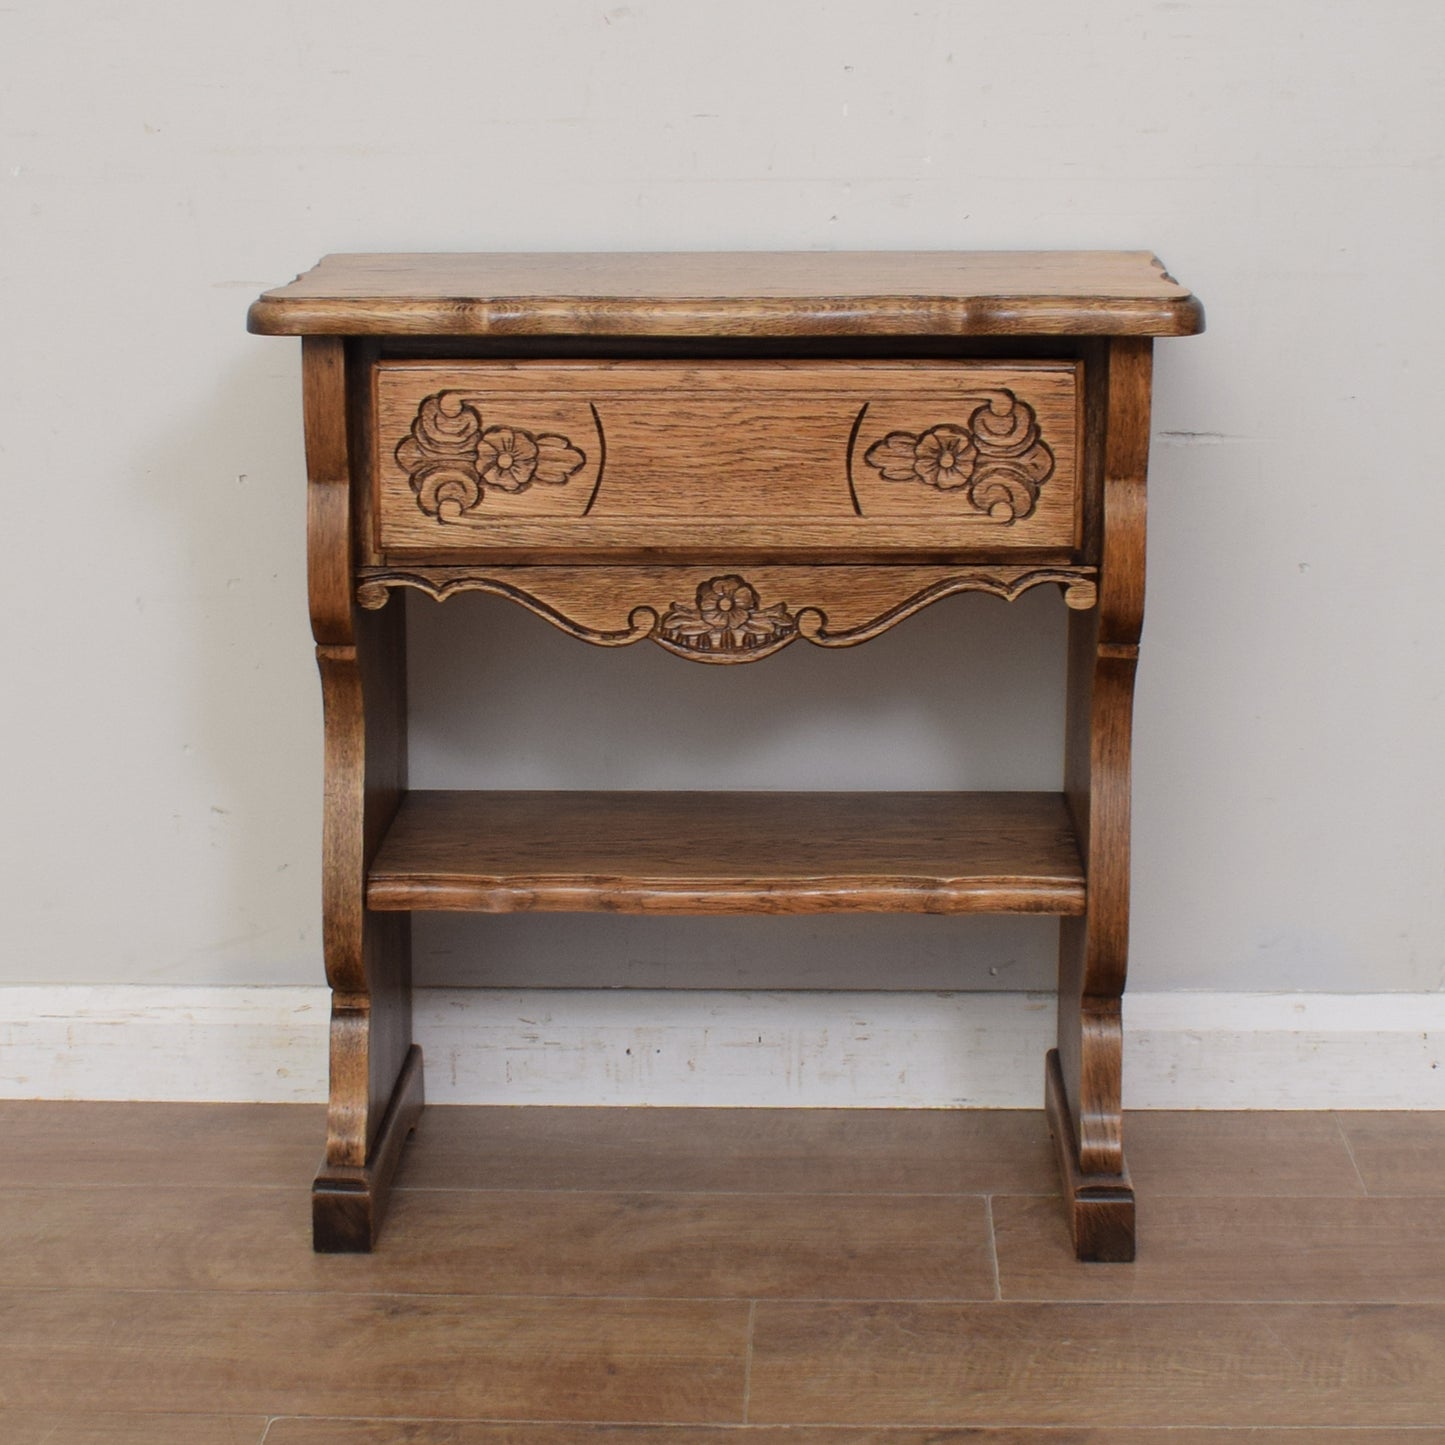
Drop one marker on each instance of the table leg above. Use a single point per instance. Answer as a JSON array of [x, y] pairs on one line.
[[1084, 1075], [376, 1071]]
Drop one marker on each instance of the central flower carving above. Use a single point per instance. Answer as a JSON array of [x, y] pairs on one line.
[[727, 616], [506, 458], [944, 457], [726, 602]]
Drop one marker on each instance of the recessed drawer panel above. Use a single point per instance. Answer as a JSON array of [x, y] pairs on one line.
[[829, 456]]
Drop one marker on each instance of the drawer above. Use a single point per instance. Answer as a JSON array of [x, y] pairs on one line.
[[834, 457]]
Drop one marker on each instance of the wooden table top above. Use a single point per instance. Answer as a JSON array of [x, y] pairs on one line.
[[737, 293]]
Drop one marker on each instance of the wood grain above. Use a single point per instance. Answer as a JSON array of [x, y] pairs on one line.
[[348, 1203], [361, 659], [1286, 1249], [619, 605], [328, 490], [81, 1144], [739, 293], [194, 1310], [362, 354], [725, 454], [461, 1432], [792, 456], [1099, 1206], [744, 1151], [511, 1242], [1142, 1365], [407, 1355], [381, 658], [1241, 1153], [1103, 655], [85, 1428], [663, 852], [1397, 1153]]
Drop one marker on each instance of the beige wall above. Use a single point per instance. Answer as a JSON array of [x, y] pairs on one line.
[[163, 162]]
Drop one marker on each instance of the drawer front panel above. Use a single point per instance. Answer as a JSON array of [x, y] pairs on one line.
[[482, 457]]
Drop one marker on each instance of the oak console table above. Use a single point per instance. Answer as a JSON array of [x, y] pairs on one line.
[[724, 455]]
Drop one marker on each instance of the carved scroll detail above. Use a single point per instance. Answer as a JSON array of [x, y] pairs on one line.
[[706, 630], [1080, 593], [997, 459], [444, 582], [451, 457]]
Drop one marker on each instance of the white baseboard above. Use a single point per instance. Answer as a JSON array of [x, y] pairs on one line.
[[1182, 1050]]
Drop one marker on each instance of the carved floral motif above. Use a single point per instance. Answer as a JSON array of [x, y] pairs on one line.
[[727, 624], [727, 617], [998, 460], [451, 458]]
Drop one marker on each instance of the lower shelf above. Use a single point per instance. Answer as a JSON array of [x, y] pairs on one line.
[[729, 852]]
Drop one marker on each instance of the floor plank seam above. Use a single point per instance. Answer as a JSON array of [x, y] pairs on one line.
[[1349, 1151], [303, 1186], [719, 1193], [655, 1299], [748, 1360], [1063, 1301], [150, 1185], [907, 1428], [850, 1298], [912, 1428], [992, 1246], [603, 1424], [1148, 1433]]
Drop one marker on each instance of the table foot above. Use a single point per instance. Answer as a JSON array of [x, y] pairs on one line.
[[348, 1204], [1100, 1207]]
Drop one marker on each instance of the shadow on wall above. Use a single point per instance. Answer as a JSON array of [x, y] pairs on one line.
[[965, 695], [228, 492]]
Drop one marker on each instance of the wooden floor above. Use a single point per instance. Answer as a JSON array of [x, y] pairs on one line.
[[773, 1277]]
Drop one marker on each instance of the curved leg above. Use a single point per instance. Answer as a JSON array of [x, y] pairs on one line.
[[1084, 1076], [376, 1074]]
